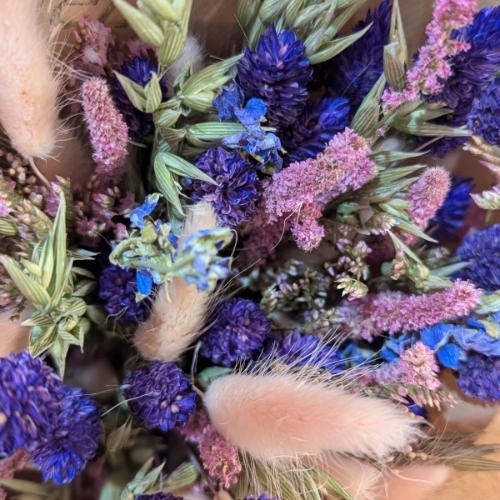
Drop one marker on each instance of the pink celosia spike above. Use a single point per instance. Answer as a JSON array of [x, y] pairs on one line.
[[394, 312], [300, 190], [8, 466], [107, 128]]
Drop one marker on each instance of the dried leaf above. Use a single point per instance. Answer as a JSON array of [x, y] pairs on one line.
[[164, 9], [179, 166], [153, 94], [134, 91]]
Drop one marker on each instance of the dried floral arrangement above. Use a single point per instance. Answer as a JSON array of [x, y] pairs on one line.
[[241, 278]]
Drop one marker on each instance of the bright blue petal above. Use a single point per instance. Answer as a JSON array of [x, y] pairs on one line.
[[138, 214], [449, 356], [144, 283]]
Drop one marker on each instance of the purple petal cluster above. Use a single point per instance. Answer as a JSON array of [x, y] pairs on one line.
[[484, 118], [237, 190], [315, 127], [160, 394], [139, 71], [29, 402], [479, 377], [450, 217], [355, 70], [482, 250], [264, 496], [300, 350], [74, 440], [238, 329], [277, 72], [118, 287]]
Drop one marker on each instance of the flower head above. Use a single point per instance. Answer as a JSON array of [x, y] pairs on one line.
[[118, 289], [301, 350], [450, 217], [231, 97], [479, 377], [160, 395], [394, 312], [237, 188], [29, 401], [238, 330], [484, 118], [315, 127], [72, 441], [108, 131], [482, 250], [264, 496], [355, 70], [138, 70], [277, 72]]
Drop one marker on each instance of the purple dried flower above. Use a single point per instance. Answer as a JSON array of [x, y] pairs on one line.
[[72, 441], [118, 288], [315, 127], [160, 395], [300, 350], [479, 377], [484, 118], [277, 72], [29, 401], [158, 496], [237, 190], [239, 329], [139, 71], [264, 496], [355, 70]]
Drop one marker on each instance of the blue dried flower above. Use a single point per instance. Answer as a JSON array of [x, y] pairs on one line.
[[300, 350], [238, 329], [73, 441], [158, 496], [450, 216], [264, 496], [356, 69], [479, 377], [277, 72], [484, 118], [139, 71], [315, 128], [140, 214], [237, 190], [118, 288], [160, 394], [482, 249], [198, 262], [29, 402], [230, 98]]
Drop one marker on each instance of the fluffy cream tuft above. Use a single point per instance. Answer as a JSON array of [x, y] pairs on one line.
[[28, 86], [282, 416], [192, 54], [176, 321]]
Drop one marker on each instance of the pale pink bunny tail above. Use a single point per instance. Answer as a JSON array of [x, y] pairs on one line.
[[285, 416], [28, 86], [413, 482], [177, 320]]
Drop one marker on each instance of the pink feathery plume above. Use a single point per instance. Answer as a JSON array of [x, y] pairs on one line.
[[8, 466], [426, 197], [416, 365], [107, 128], [432, 67], [301, 190], [394, 312]]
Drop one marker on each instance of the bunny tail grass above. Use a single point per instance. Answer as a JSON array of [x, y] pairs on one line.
[[412, 482], [14, 336], [286, 416], [69, 159], [177, 317], [28, 87]]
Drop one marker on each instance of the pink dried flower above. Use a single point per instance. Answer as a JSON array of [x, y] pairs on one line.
[[300, 190], [95, 39], [197, 426], [416, 365], [107, 128], [426, 196], [432, 67], [8, 466], [220, 459], [394, 312]]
